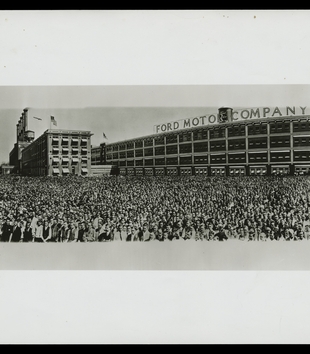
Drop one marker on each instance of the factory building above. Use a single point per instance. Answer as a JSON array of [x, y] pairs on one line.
[[231, 143]]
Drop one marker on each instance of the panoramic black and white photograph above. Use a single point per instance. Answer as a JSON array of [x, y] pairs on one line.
[[188, 174], [146, 174]]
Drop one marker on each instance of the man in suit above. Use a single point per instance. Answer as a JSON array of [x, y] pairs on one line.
[[16, 235], [7, 230]]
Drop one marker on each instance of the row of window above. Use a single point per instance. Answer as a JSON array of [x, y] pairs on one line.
[[215, 133], [65, 151], [65, 141], [66, 170], [275, 156], [219, 145], [233, 171], [65, 160]]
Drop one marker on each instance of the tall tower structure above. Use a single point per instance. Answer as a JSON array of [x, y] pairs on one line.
[[24, 137]]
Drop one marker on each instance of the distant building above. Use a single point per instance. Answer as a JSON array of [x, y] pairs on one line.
[[58, 153], [98, 155], [99, 165], [6, 169]]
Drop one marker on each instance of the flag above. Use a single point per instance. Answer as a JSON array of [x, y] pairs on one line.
[[37, 118], [104, 136], [53, 120]]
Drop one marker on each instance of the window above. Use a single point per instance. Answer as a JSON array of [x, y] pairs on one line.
[[301, 141], [236, 130], [159, 140], [171, 139], [203, 159], [139, 144], [172, 161], [217, 133], [255, 143], [302, 126], [257, 128], [185, 148], [122, 155], [200, 135], [280, 141], [148, 162], [185, 137], [160, 161], [237, 158], [171, 149], [185, 160], [301, 155], [201, 147], [130, 162], [130, 153], [236, 144], [160, 150], [217, 158], [218, 145], [148, 142], [279, 127], [261, 156], [139, 153], [279, 156], [148, 152], [139, 162], [129, 145]]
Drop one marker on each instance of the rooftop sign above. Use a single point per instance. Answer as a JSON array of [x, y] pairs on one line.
[[227, 114]]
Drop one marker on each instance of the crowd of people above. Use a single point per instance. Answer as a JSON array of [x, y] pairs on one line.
[[124, 208]]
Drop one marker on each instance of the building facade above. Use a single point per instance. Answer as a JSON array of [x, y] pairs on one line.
[[58, 153], [265, 146], [98, 155]]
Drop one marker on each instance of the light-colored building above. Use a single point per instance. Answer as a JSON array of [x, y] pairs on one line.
[[58, 153]]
